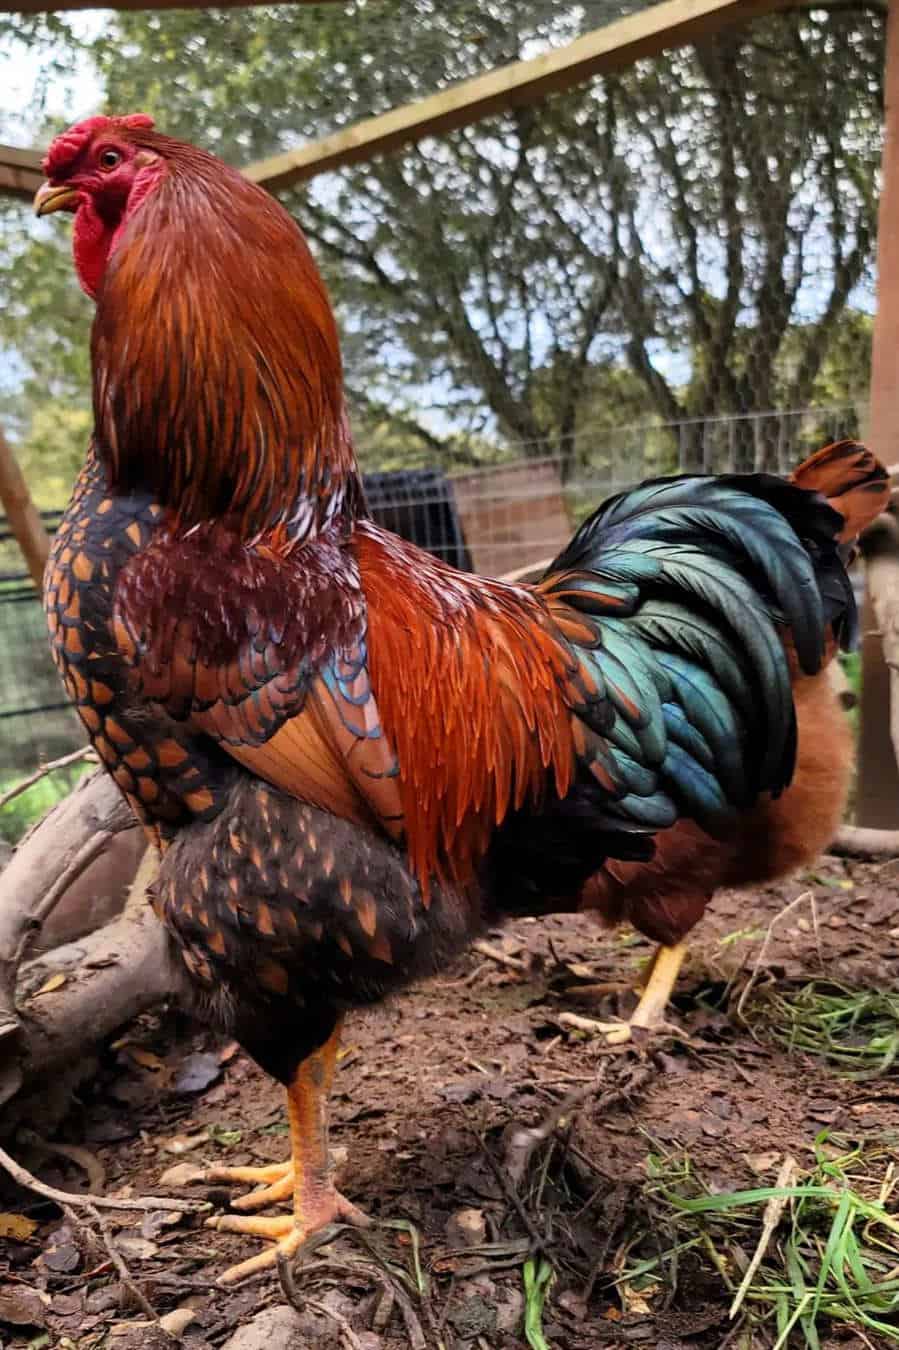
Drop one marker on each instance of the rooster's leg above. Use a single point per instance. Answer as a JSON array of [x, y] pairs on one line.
[[315, 1200], [663, 973], [650, 1011]]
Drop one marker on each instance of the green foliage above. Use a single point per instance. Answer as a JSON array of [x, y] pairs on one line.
[[831, 1259], [26, 809], [678, 241], [857, 1030]]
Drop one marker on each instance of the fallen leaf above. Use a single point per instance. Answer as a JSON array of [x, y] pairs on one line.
[[226, 1135], [197, 1072], [762, 1162], [466, 1228], [156, 1220], [16, 1226], [55, 982], [182, 1174], [21, 1307], [62, 1259], [183, 1143], [145, 1058], [138, 1248]]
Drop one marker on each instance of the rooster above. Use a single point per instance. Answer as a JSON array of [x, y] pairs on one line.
[[351, 756]]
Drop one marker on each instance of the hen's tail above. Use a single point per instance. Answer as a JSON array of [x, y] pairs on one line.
[[854, 482]]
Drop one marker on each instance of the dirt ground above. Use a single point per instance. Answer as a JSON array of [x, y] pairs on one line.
[[428, 1092]]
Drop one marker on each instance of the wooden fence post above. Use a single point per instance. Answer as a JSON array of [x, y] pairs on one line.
[[22, 514]]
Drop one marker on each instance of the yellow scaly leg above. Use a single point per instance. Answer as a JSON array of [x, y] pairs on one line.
[[650, 1011], [315, 1200]]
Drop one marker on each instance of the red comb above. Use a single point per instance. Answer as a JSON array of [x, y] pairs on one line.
[[69, 144]]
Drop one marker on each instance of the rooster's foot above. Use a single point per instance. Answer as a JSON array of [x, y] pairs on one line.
[[286, 1232], [273, 1183], [649, 1013]]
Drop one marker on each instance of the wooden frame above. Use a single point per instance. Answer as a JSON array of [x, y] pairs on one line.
[[52, 6], [20, 172], [877, 791], [612, 47]]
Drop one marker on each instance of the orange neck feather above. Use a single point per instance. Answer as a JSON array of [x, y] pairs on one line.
[[217, 372]]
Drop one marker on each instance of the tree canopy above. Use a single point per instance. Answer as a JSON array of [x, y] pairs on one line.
[[691, 238]]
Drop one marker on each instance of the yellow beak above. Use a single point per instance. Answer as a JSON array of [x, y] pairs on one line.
[[49, 198]]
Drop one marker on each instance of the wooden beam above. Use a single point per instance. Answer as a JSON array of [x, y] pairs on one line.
[[883, 430], [612, 47], [606, 49], [51, 6], [22, 514], [877, 794], [20, 172]]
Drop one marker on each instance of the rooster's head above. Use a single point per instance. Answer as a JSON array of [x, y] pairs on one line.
[[102, 169]]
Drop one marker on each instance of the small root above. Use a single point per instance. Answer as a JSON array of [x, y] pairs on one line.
[[127, 1280], [75, 1200]]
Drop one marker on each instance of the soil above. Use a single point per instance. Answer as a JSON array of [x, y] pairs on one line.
[[428, 1092]]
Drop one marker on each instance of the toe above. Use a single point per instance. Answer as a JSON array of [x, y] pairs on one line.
[[273, 1228], [266, 1195], [254, 1176]]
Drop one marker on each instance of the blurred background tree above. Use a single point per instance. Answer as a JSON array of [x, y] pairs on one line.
[[686, 241]]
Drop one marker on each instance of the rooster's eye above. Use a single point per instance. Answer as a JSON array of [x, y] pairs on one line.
[[109, 159]]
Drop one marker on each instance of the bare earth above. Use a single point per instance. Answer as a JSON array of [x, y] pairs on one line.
[[427, 1093]]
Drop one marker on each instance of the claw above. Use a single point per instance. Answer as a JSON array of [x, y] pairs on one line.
[[286, 1235]]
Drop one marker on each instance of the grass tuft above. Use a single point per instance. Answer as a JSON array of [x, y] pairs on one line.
[[832, 1259], [857, 1030]]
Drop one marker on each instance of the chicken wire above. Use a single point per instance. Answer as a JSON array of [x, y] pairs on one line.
[[509, 518], [667, 269]]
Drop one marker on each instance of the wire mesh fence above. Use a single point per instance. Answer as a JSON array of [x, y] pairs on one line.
[[505, 518], [668, 268]]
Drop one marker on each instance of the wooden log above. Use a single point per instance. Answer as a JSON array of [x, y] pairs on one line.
[[56, 1008], [47, 862], [853, 841], [78, 995]]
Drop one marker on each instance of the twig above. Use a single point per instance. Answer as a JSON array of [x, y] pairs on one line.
[[86, 752], [115, 1256], [347, 1335], [500, 957], [523, 1142], [773, 1210], [287, 1276], [150, 1202], [465, 980], [766, 943], [503, 1176]]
